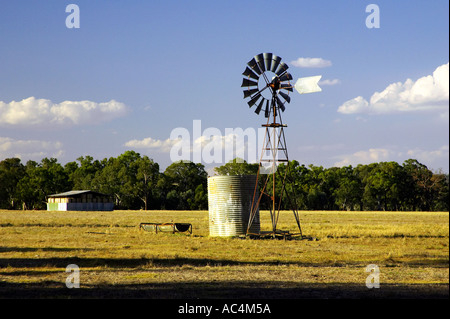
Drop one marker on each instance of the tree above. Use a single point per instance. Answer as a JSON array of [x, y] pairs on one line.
[[299, 182], [70, 169], [127, 175], [424, 184], [348, 195], [147, 176], [41, 180], [11, 172], [294, 194], [383, 185], [28, 187], [118, 178], [54, 178], [82, 176], [330, 182], [237, 166], [181, 180], [131, 179], [316, 197], [200, 198], [441, 199], [107, 180], [136, 182]]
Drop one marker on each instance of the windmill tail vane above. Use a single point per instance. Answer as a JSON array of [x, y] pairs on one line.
[[308, 84]]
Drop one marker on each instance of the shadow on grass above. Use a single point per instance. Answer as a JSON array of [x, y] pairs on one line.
[[178, 261], [224, 290], [33, 249], [127, 262], [196, 290]]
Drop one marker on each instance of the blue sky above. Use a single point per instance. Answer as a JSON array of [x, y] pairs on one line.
[[136, 70]]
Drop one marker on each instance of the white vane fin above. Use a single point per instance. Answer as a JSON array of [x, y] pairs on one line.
[[308, 84]]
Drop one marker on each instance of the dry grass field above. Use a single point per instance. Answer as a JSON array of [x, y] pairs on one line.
[[118, 260]]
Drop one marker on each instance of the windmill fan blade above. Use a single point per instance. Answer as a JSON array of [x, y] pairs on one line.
[[308, 84], [286, 77], [268, 60], [275, 62], [247, 93], [282, 68], [258, 109], [260, 60], [254, 66], [266, 111], [280, 104], [247, 82], [286, 97], [286, 86], [254, 100], [250, 73]]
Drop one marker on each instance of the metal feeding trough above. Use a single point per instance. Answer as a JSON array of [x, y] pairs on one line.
[[166, 227]]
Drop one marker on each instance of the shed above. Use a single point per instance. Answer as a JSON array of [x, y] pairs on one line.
[[81, 200]]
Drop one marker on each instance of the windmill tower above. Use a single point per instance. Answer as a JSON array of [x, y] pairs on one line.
[[266, 80]]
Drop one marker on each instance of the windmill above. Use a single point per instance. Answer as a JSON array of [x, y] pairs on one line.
[[267, 85]]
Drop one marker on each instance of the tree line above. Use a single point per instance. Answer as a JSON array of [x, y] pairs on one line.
[[135, 182]]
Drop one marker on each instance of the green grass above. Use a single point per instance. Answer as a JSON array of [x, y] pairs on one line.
[[117, 259]]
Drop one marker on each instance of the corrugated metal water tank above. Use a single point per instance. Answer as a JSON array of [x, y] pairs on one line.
[[229, 204]]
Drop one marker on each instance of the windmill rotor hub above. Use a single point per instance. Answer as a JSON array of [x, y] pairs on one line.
[[275, 84], [268, 85]]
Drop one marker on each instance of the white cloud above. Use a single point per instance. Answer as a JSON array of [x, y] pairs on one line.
[[330, 82], [427, 93], [427, 156], [373, 155], [431, 158], [311, 63], [356, 105], [150, 143], [29, 149], [43, 112]]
